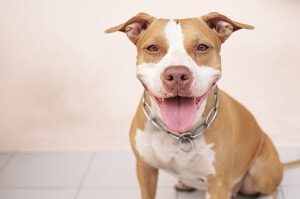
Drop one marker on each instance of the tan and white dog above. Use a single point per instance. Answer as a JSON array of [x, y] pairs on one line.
[[184, 124]]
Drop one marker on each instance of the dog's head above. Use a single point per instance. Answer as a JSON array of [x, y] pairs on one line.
[[178, 61]]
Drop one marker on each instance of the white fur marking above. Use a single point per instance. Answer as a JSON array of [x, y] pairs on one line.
[[161, 151], [207, 196], [150, 73], [155, 146]]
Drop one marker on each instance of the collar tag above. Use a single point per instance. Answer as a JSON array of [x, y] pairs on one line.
[[186, 142]]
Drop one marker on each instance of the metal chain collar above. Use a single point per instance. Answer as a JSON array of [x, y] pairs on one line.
[[186, 139]]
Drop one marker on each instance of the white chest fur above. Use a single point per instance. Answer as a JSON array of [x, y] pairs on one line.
[[161, 151]]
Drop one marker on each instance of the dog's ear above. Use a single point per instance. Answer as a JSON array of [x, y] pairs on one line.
[[134, 27], [222, 25]]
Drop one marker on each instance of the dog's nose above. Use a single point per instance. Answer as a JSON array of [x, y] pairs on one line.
[[176, 78]]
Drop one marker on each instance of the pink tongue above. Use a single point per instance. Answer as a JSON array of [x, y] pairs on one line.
[[178, 113]]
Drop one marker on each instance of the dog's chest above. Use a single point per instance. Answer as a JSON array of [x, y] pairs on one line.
[[161, 151]]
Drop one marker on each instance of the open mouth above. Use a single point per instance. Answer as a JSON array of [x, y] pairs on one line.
[[178, 112]]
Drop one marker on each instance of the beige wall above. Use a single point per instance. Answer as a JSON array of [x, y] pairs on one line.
[[65, 85]]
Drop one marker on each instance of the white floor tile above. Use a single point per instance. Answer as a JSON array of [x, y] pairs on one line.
[[3, 158], [288, 154], [117, 169], [45, 170], [114, 193], [291, 177], [112, 169], [166, 193], [292, 192], [191, 195], [37, 194], [117, 193], [111, 175]]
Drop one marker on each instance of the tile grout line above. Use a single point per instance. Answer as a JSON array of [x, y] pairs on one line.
[[85, 174], [282, 192], [176, 195], [36, 188], [6, 162], [64, 187]]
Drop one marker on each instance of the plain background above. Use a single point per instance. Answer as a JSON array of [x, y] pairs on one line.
[[65, 85]]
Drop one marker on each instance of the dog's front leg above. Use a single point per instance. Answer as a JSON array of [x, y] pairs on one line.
[[217, 190], [218, 193], [147, 177]]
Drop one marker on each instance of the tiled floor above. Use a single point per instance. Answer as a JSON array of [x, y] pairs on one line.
[[94, 175]]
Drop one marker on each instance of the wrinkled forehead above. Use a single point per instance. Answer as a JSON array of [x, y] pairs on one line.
[[167, 31], [155, 33], [197, 29]]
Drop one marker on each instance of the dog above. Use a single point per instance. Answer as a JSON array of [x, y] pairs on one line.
[[187, 126]]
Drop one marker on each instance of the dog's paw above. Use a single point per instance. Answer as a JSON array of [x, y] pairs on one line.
[[181, 187]]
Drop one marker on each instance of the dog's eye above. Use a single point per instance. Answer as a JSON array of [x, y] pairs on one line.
[[152, 48], [202, 47]]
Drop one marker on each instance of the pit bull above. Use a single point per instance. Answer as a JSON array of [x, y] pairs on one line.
[[184, 124]]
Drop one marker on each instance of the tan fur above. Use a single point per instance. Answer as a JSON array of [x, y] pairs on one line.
[[157, 37], [194, 27], [239, 143], [210, 18], [147, 175], [243, 152]]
